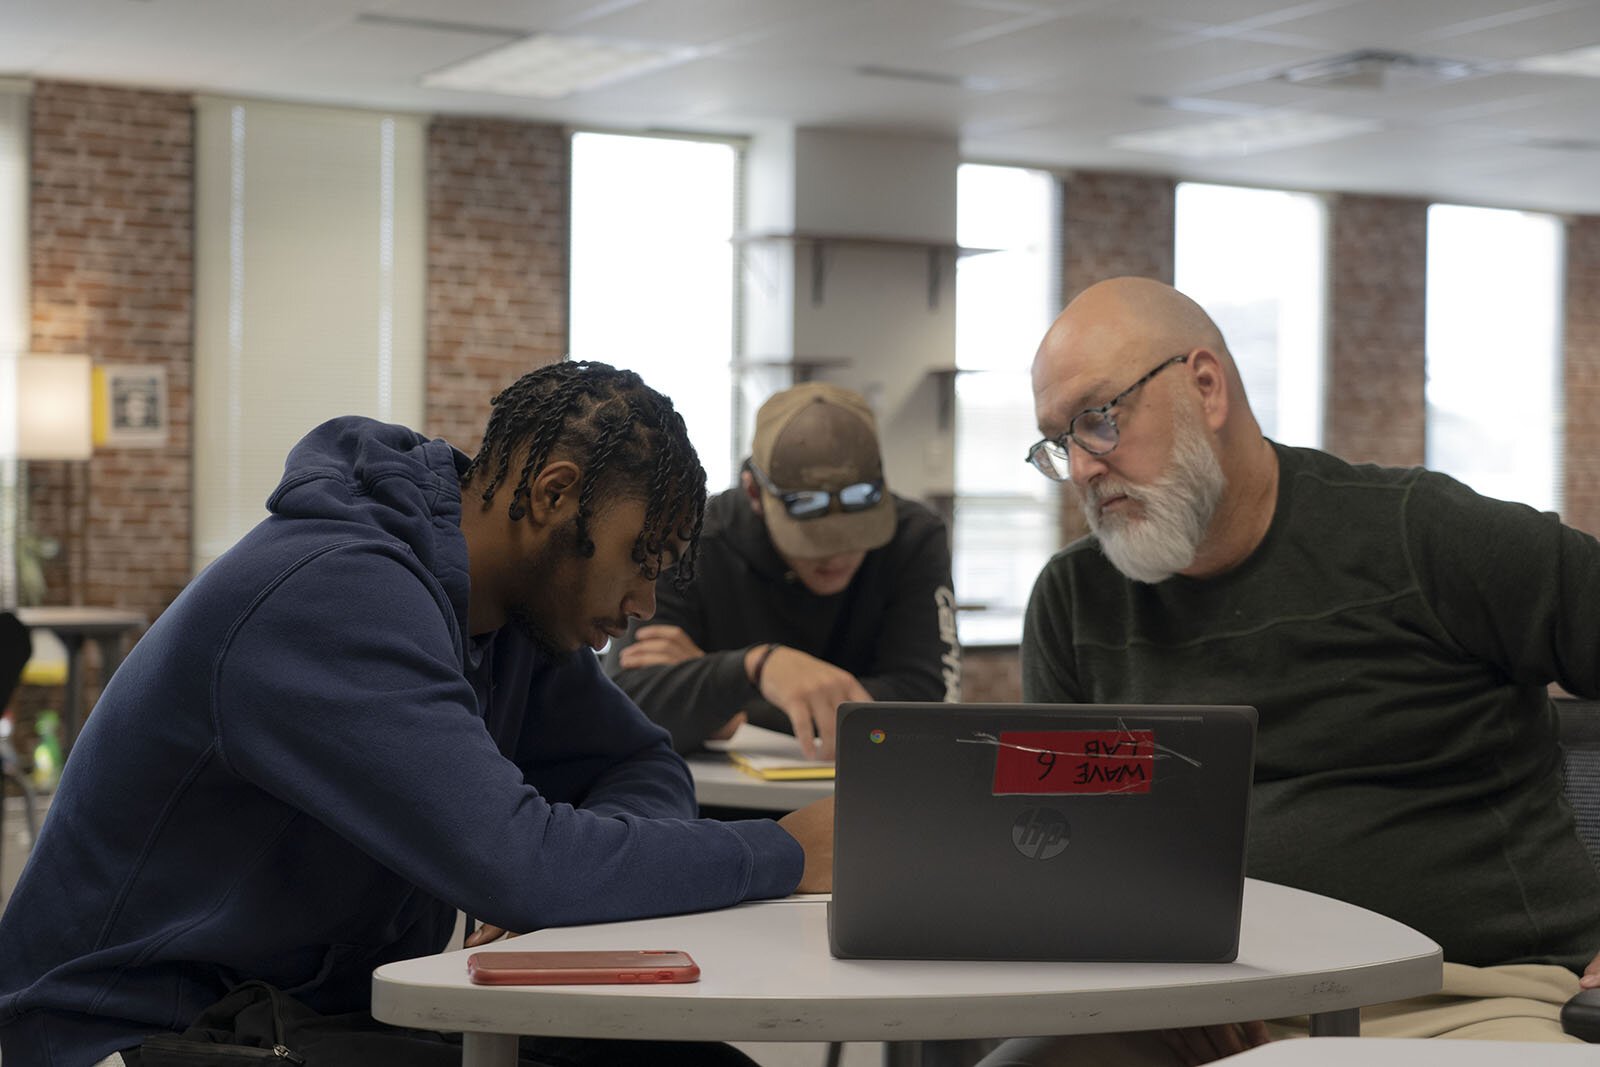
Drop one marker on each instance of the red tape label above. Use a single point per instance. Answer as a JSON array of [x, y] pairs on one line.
[[1075, 762]]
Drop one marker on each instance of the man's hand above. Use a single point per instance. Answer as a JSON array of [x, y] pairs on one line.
[[1590, 979], [1203, 1044], [812, 826], [657, 646], [809, 691]]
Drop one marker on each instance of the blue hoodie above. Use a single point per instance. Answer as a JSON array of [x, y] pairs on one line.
[[307, 765]]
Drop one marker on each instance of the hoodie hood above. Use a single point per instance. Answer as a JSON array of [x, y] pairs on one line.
[[385, 477], [732, 523]]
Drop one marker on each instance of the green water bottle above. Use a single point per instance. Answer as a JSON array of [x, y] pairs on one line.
[[47, 753]]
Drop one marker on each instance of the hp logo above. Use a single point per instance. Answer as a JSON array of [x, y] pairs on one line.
[[1040, 833]]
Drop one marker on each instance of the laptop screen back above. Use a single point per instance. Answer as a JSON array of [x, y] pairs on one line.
[[1057, 832]]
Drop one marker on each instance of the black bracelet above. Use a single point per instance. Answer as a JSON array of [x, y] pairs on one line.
[[761, 664]]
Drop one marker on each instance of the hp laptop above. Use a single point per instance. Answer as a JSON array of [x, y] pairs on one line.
[[1040, 832]]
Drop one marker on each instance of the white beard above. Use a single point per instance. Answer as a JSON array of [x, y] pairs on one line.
[[1177, 509]]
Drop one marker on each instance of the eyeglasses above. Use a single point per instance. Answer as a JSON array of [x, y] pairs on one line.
[[815, 503], [1094, 429]]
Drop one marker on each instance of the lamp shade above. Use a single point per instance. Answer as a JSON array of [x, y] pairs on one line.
[[45, 407]]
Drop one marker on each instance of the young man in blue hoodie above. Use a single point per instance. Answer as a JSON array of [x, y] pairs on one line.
[[382, 706]]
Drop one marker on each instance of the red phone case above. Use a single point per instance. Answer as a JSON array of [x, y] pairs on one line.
[[596, 967]]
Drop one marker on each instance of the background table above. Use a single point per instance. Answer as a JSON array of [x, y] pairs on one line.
[[73, 625], [718, 783], [1393, 1052], [767, 976]]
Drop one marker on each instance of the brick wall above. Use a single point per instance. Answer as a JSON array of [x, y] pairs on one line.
[[1115, 224], [497, 264], [1111, 225], [1581, 507], [1378, 261], [110, 249], [111, 260], [991, 675]]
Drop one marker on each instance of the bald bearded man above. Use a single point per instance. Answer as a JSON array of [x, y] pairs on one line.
[[1396, 631]]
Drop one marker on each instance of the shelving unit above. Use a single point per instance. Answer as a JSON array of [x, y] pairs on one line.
[[944, 379], [805, 367], [822, 245]]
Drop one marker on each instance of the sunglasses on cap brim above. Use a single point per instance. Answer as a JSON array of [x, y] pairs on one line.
[[815, 503]]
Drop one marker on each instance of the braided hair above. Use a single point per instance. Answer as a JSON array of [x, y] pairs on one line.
[[624, 436]]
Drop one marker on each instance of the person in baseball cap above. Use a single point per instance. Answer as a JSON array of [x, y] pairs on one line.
[[816, 464], [815, 585]]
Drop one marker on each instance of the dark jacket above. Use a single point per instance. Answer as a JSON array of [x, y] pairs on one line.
[[306, 766], [893, 627]]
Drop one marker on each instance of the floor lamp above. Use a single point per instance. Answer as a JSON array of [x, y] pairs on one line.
[[45, 414]]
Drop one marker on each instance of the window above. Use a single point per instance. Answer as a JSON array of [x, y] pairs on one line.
[[1255, 260], [14, 312], [309, 256], [652, 285], [1495, 406], [1006, 516]]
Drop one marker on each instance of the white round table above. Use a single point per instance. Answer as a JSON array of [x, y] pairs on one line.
[[767, 975]]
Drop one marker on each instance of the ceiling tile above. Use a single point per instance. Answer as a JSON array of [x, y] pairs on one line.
[[1090, 48], [907, 34], [24, 52], [1404, 25], [1197, 65], [1566, 27], [529, 16], [399, 52], [728, 88], [1257, 13], [1048, 82], [704, 22]]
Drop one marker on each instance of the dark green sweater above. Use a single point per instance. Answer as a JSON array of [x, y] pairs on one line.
[[1396, 632]]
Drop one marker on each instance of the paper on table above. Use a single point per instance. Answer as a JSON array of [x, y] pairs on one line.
[[764, 753], [781, 768]]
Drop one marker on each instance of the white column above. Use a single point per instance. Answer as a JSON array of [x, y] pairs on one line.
[[873, 324]]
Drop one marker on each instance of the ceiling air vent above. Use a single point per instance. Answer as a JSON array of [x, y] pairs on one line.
[[1376, 69], [1561, 144], [929, 77]]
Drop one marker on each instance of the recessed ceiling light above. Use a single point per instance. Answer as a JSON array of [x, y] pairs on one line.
[[549, 65], [1246, 134], [1205, 105], [1583, 62], [981, 85]]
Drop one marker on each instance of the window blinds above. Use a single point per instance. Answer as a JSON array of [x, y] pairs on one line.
[[310, 250], [14, 311]]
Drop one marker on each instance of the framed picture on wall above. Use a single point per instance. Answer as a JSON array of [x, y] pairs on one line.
[[131, 406]]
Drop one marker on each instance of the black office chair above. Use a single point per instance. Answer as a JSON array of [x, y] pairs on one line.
[[1580, 742], [16, 648]]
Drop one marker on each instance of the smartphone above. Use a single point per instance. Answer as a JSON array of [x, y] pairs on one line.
[[605, 966]]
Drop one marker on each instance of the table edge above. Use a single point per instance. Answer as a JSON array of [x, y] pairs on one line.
[[858, 1018]]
